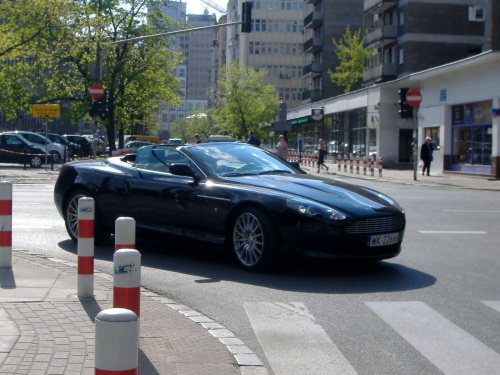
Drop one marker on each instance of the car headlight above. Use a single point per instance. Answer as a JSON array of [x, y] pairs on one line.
[[313, 209]]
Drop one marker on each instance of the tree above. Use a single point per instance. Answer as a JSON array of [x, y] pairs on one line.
[[56, 63], [182, 128], [244, 103], [352, 57]]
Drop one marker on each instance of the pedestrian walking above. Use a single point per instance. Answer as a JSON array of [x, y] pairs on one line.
[[426, 156], [321, 155], [252, 140], [282, 148]]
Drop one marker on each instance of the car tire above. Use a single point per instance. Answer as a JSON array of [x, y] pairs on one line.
[[35, 162], [71, 218], [56, 156], [254, 240]]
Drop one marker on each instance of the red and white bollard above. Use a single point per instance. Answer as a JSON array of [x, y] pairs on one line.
[[380, 167], [5, 224], [116, 342], [351, 164], [124, 233], [372, 167], [357, 164], [345, 164], [86, 215], [338, 162], [364, 166], [127, 280]]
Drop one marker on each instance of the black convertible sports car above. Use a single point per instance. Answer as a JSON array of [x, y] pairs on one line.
[[236, 194]]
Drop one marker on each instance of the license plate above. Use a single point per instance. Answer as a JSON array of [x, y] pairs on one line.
[[383, 239]]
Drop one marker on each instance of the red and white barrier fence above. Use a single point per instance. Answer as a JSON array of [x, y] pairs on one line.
[[127, 280], [124, 233], [5, 224], [352, 164], [86, 215], [116, 342]]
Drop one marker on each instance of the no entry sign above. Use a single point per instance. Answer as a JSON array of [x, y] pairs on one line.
[[96, 91], [413, 98]]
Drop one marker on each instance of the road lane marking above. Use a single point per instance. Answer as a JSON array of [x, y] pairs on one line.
[[292, 340], [495, 305], [452, 232], [475, 211], [446, 345]]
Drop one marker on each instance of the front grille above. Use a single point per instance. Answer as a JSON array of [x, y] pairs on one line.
[[377, 225]]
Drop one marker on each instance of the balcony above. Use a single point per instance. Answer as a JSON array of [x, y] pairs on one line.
[[381, 35], [379, 5], [313, 20], [313, 45], [312, 95], [380, 73], [315, 69]]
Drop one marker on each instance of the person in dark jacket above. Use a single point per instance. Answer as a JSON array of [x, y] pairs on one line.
[[252, 140], [426, 156]]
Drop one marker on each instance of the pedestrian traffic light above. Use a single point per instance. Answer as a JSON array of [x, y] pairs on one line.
[[405, 110], [246, 17]]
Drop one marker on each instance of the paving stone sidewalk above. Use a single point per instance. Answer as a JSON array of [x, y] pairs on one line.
[[47, 329]]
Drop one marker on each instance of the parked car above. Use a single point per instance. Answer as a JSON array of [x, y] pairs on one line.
[[259, 205], [134, 146], [84, 145], [99, 143], [71, 147], [40, 141], [16, 149]]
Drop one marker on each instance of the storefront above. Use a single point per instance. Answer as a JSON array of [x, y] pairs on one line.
[[472, 138]]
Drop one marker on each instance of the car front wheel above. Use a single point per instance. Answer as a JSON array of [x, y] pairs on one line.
[[71, 218], [35, 162], [254, 240]]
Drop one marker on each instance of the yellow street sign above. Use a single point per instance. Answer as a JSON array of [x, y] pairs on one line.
[[46, 110]]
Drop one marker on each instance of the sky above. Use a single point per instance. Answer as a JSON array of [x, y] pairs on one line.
[[198, 7]]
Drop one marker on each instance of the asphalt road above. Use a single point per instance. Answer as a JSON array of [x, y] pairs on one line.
[[434, 309]]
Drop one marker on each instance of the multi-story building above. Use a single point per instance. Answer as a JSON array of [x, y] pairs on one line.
[[326, 19], [413, 35], [274, 44], [194, 72]]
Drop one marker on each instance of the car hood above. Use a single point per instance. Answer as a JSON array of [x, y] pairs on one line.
[[348, 198]]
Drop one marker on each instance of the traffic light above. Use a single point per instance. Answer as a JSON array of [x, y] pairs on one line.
[[100, 107], [405, 110], [246, 17]]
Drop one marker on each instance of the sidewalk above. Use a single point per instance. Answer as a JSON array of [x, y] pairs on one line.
[[406, 177], [47, 329]]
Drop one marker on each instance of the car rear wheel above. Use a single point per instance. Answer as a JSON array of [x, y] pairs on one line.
[[254, 240], [56, 156], [35, 162], [71, 218]]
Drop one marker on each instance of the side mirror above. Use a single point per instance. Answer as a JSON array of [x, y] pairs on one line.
[[180, 169]]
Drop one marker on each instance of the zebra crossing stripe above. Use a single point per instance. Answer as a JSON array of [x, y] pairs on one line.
[[446, 345], [293, 342], [495, 305]]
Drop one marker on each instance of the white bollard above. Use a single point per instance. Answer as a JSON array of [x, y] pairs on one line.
[[86, 215], [380, 167], [124, 233], [116, 342], [127, 280], [5, 224]]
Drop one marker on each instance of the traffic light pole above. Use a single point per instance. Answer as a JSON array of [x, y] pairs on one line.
[[415, 146]]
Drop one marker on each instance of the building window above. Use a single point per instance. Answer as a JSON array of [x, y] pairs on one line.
[[476, 13], [401, 18], [401, 56]]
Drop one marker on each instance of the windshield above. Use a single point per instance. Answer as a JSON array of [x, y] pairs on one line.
[[239, 159]]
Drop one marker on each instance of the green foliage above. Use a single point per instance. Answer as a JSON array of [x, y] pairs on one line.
[[48, 53], [184, 129], [352, 56], [244, 102]]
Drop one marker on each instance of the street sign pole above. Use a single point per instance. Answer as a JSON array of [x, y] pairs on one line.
[[414, 98]]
